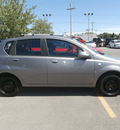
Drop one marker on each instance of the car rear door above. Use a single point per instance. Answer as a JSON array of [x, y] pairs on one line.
[[27, 62]]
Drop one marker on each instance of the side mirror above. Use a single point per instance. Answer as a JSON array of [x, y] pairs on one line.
[[83, 55]]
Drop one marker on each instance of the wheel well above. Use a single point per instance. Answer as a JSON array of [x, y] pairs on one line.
[[8, 74], [107, 73]]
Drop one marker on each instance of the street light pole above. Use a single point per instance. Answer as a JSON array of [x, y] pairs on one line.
[[88, 22], [71, 18], [92, 26], [88, 25], [46, 15]]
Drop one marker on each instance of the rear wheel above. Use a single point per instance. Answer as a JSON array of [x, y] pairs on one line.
[[9, 86], [109, 85]]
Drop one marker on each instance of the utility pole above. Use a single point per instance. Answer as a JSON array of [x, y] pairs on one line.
[[71, 18]]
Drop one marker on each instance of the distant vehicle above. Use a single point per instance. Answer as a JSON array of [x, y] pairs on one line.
[[80, 39], [103, 41], [98, 42], [93, 46], [90, 44], [114, 44], [98, 50], [107, 40]]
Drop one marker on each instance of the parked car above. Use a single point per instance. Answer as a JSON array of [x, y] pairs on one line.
[[98, 42], [52, 61], [90, 44], [107, 40], [80, 39], [98, 50], [114, 43]]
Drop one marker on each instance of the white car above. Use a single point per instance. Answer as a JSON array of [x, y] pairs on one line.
[[90, 44], [114, 43]]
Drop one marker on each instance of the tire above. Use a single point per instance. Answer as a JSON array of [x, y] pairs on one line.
[[109, 85], [9, 86]]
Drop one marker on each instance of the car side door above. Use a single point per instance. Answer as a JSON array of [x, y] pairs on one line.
[[64, 67], [27, 62]]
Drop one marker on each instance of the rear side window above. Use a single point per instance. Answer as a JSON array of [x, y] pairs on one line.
[[8, 47], [29, 47]]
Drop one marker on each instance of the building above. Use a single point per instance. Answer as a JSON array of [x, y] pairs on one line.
[[85, 36]]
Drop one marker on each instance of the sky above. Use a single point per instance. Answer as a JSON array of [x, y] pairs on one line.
[[105, 18]]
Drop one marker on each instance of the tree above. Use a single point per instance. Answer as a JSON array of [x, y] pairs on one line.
[[108, 35], [14, 18], [42, 27]]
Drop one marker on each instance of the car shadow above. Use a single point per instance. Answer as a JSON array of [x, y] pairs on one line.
[[28, 91], [58, 91]]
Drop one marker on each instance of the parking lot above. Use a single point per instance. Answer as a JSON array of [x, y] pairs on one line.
[[61, 108]]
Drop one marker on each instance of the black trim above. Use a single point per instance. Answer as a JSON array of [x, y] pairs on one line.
[[45, 50], [13, 48]]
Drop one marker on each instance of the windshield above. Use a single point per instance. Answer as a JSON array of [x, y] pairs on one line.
[[94, 50]]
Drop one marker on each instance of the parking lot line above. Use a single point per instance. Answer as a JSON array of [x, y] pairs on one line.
[[107, 107]]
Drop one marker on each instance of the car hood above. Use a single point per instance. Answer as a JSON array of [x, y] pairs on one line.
[[113, 57], [108, 58]]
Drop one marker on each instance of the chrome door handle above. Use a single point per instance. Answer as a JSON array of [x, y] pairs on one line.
[[15, 60], [54, 61]]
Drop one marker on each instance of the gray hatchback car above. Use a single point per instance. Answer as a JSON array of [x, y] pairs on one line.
[[52, 61]]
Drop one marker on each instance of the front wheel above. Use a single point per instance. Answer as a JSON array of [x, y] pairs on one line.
[[109, 85], [9, 86]]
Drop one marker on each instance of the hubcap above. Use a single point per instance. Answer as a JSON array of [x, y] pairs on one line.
[[110, 85], [8, 86]]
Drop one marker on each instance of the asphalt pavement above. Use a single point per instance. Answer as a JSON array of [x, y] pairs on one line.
[[111, 51], [61, 108]]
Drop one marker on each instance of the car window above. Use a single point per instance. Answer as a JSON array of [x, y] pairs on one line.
[[112, 41], [28, 47], [8, 47], [62, 48]]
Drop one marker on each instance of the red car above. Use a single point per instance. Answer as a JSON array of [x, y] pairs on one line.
[[98, 50]]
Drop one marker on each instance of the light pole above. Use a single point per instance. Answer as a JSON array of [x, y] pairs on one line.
[[89, 14], [92, 26], [46, 15], [71, 18]]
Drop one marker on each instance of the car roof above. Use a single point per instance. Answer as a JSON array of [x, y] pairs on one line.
[[37, 37]]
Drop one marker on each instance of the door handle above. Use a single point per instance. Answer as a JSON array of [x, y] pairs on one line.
[[54, 61], [15, 60]]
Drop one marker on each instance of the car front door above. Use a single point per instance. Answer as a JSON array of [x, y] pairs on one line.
[[65, 68], [27, 63]]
